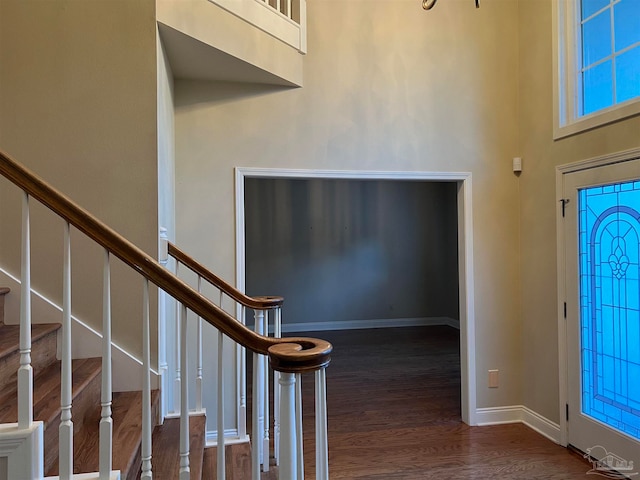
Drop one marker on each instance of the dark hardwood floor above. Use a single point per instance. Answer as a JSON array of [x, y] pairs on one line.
[[394, 413]]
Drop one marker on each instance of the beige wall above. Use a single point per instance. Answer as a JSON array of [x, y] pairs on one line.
[[78, 107], [539, 204], [387, 87]]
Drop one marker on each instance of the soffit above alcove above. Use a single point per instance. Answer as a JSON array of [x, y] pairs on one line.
[[202, 41]]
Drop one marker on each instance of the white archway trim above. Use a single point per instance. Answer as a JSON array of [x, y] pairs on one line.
[[465, 251]]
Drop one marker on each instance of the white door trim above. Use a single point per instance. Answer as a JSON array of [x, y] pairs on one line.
[[465, 252], [594, 162]]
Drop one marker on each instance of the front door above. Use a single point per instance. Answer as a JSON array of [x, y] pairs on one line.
[[602, 253]]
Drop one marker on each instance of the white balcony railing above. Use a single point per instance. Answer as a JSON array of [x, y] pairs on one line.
[[285, 20]]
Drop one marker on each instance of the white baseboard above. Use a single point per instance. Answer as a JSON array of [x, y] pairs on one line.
[[87, 342], [231, 437], [519, 414], [374, 323]]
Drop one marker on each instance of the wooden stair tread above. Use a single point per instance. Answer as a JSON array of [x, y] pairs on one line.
[[165, 458], [10, 336], [46, 391], [127, 434]]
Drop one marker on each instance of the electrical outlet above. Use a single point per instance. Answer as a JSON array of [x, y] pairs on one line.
[[493, 378]]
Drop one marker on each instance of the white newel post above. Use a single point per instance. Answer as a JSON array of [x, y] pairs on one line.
[[288, 441], [106, 422], [66, 424]]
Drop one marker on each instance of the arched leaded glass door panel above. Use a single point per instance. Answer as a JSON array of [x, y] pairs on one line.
[[602, 241], [609, 303]]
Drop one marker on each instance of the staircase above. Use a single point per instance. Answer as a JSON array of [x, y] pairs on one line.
[[126, 410], [62, 417]]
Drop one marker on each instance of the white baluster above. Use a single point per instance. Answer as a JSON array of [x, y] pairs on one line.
[[277, 332], [288, 442], [163, 366], [258, 391], [176, 381], [256, 430], [289, 12], [221, 447], [322, 444], [147, 473], [66, 424], [106, 422], [199, 356], [242, 383], [184, 399], [25, 371], [265, 437], [299, 431]]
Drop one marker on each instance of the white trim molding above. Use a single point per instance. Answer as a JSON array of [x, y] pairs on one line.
[[567, 88], [23, 449], [519, 414], [362, 324], [465, 251]]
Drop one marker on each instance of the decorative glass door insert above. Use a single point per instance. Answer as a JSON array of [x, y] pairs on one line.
[[609, 255]]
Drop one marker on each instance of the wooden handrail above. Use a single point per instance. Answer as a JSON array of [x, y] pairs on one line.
[[257, 303], [286, 354]]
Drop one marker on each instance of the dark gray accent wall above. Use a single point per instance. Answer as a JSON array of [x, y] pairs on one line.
[[340, 250]]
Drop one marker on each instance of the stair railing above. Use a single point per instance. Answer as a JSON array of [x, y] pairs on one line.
[[288, 356], [267, 318]]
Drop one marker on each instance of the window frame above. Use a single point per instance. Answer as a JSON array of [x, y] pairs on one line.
[[567, 85]]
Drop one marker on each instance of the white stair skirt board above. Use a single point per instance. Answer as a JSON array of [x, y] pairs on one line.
[[519, 414], [375, 323], [115, 475], [87, 342], [22, 451]]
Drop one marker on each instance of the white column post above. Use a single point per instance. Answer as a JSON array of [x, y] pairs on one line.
[[184, 399], [66, 424], [146, 388], [288, 443], [25, 371], [106, 422], [322, 445]]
